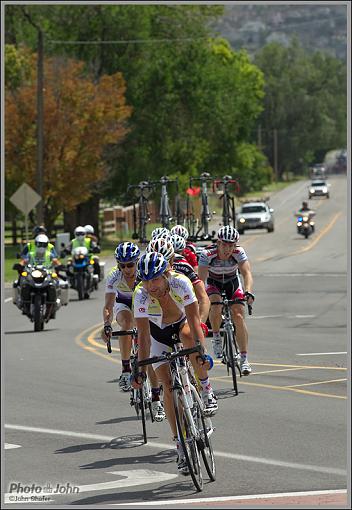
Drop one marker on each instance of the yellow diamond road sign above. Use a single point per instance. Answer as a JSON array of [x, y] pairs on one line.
[[25, 198]]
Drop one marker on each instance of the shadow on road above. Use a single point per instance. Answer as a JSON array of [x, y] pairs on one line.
[[226, 393], [30, 331], [176, 490]]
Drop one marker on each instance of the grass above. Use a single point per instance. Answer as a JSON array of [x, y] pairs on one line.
[[10, 260]]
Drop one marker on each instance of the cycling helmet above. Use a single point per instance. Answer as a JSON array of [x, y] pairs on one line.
[[89, 229], [160, 232], [163, 246], [151, 265], [127, 252], [80, 232], [179, 243], [39, 229], [180, 230], [228, 234]]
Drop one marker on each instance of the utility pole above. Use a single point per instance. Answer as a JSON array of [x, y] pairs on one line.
[[40, 126], [40, 114], [276, 169]]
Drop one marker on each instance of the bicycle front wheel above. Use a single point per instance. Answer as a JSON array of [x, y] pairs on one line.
[[143, 414], [205, 429], [230, 361], [187, 440]]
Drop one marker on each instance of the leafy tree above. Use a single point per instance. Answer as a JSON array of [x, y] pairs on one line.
[[305, 101], [81, 117]]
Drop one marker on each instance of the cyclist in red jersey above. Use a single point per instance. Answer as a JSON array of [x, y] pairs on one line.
[[189, 251]]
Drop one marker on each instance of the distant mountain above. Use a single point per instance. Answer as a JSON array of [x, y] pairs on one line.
[[317, 27]]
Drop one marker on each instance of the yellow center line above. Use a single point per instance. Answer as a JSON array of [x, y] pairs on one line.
[[282, 388], [315, 383]]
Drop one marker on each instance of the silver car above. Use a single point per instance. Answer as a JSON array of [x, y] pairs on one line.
[[255, 215], [318, 188]]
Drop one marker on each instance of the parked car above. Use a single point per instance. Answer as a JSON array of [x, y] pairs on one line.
[[318, 188], [255, 214]]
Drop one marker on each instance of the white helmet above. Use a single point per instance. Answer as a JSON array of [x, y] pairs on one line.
[[80, 232], [180, 230], [161, 245], [179, 243], [89, 229], [228, 234], [41, 243], [161, 232]]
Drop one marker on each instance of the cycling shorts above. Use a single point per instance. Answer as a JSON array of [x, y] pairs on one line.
[[161, 339], [233, 289]]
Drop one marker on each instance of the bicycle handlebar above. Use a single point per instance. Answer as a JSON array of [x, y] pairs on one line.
[[233, 302], [169, 356], [132, 332]]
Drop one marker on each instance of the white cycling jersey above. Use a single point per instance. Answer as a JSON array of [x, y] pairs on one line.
[[116, 284], [181, 291]]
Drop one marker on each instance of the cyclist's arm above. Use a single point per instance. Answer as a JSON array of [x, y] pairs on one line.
[[108, 310], [246, 273], [143, 329], [203, 273], [193, 319], [203, 300]]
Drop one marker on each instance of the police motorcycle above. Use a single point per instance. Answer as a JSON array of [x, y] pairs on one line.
[[80, 272], [305, 223], [38, 293]]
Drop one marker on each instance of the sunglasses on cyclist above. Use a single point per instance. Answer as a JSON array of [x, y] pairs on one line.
[[129, 264]]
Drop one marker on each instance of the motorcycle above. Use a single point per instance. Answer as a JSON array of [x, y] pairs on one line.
[[81, 273], [305, 225], [38, 293]]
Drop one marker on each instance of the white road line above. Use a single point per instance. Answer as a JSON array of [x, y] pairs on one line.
[[225, 455], [7, 300], [319, 353], [9, 446], [235, 498]]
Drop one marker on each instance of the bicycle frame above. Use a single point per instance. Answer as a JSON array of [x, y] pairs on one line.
[[228, 210], [143, 213], [205, 213]]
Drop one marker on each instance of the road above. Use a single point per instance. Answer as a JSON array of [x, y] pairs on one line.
[[285, 433]]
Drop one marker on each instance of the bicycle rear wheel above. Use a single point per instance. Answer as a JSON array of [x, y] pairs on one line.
[[230, 361], [187, 440], [205, 428], [143, 416]]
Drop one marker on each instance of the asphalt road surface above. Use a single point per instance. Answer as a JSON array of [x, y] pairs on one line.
[[69, 428]]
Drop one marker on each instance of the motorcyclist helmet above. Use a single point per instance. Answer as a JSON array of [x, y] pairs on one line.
[[151, 265], [89, 229], [180, 230], [304, 205], [228, 234], [163, 246], [179, 243], [41, 243], [127, 252], [39, 229], [80, 233]]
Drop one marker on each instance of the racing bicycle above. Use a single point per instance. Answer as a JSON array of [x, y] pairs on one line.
[[193, 427], [230, 352], [140, 399]]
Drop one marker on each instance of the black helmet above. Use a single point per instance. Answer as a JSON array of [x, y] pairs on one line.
[[39, 229], [304, 204]]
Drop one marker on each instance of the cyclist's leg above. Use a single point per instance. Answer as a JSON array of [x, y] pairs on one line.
[[238, 316], [215, 317], [162, 371], [125, 320]]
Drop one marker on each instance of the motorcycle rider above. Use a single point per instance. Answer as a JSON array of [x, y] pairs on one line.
[[81, 240], [30, 246], [91, 235], [41, 254], [306, 209]]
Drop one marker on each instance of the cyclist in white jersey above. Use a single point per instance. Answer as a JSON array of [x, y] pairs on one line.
[[165, 304], [218, 268], [120, 283]]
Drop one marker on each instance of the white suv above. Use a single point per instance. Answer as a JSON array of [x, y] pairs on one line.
[[255, 215]]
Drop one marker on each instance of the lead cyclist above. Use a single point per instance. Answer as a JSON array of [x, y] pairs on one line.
[[165, 304]]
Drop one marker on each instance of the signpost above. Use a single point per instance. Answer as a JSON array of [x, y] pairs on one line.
[[25, 199]]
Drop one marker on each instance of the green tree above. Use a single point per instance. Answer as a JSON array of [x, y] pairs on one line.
[[305, 101]]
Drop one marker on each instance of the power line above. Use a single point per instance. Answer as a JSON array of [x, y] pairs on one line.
[[128, 41]]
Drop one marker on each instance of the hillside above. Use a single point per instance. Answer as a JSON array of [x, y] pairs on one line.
[[318, 27]]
